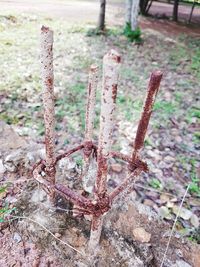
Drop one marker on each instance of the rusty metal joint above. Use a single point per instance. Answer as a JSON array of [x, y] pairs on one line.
[[88, 148], [138, 164]]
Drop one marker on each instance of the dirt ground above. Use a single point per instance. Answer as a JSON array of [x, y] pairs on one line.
[[171, 148], [133, 234]]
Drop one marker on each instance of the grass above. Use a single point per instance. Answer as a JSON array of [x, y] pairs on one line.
[[5, 210], [133, 36], [192, 163], [165, 108], [186, 55], [195, 181], [193, 113], [155, 183], [74, 51]]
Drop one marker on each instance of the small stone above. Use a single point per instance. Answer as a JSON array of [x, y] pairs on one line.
[[9, 138], [195, 256], [165, 213], [148, 202], [194, 220], [154, 154], [141, 235], [2, 168], [36, 263], [17, 238], [38, 196], [3, 225], [116, 167], [184, 213], [195, 202], [15, 159], [67, 164], [164, 198], [182, 263], [158, 173], [87, 217], [169, 159], [179, 253], [178, 139], [164, 165], [112, 183], [170, 204], [57, 235], [81, 241], [168, 96], [174, 132], [81, 264]]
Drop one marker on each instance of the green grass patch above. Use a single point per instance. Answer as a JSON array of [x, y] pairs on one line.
[[133, 36], [193, 112], [8, 118], [155, 183]]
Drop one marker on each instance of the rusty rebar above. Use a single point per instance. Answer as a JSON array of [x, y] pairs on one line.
[[152, 91], [69, 152], [46, 57], [91, 99], [87, 175], [44, 171], [111, 63], [140, 167], [73, 197]]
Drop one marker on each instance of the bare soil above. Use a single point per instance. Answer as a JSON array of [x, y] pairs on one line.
[[25, 243]]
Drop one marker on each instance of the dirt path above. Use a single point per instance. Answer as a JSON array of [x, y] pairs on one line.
[[77, 11], [167, 9], [86, 11]]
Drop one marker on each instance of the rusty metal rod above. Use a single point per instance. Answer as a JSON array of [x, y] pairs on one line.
[[152, 91]]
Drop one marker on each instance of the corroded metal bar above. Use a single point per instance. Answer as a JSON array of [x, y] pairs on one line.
[[119, 155], [111, 63], [69, 152], [46, 46], [101, 203], [88, 175], [152, 91], [75, 198], [125, 184], [91, 99]]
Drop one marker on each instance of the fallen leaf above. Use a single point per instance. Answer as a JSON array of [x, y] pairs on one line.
[[116, 167]]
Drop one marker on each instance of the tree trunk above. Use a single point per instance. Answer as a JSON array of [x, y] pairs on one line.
[[143, 6], [101, 22], [128, 11], [134, 14], [175, 10]]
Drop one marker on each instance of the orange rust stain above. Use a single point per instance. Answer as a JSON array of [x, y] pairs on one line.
[[114, 92], [49, 82]]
